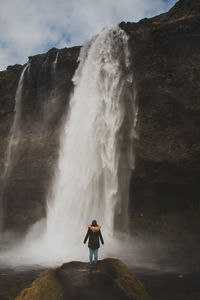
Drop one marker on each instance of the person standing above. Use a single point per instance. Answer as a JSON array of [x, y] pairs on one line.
[[94, 234]]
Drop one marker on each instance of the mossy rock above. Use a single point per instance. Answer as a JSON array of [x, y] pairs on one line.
[[76, 280], [46, 287], [128, 282]]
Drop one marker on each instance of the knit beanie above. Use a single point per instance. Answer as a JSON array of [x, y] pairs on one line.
[[94, 222]]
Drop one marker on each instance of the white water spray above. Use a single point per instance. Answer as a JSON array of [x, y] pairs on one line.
[[87, 184], [54, 65]]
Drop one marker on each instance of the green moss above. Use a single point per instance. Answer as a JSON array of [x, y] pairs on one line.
[[46, 287], [127, 281]]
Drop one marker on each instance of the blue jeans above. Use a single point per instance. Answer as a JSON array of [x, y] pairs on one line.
[[95, 253]]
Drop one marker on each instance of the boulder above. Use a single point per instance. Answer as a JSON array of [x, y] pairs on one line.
[[77, 280]]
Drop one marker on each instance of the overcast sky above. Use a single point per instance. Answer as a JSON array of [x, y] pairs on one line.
[[29, 27]]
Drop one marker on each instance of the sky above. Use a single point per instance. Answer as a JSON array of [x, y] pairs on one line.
[[30, 27]]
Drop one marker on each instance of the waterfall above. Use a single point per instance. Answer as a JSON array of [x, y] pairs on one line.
[[15, 129], [87, 184], [14, 137], [54, 65], [18, 135]]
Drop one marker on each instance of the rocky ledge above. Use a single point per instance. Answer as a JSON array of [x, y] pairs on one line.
[[77, 280]]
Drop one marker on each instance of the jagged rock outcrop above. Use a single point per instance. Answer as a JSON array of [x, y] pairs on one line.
[[165, 53], [76, 280]]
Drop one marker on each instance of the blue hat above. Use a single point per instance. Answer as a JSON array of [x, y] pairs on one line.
[[94, 222]]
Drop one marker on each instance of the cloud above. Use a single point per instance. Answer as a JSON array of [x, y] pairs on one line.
[[30, 27]]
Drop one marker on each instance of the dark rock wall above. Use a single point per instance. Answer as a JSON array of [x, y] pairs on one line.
[[166, 63], [166, 66]]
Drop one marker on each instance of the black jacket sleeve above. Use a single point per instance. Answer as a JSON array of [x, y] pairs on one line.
[[101, 238], [86, 237]]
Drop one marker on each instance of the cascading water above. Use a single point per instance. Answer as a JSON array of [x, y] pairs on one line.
[[14, 134], [18, 134], [87, 184], [54, 64], [15, 129]]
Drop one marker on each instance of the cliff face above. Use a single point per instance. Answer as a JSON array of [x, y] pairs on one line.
[[47, 85], [165, 53], [166, 64]]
